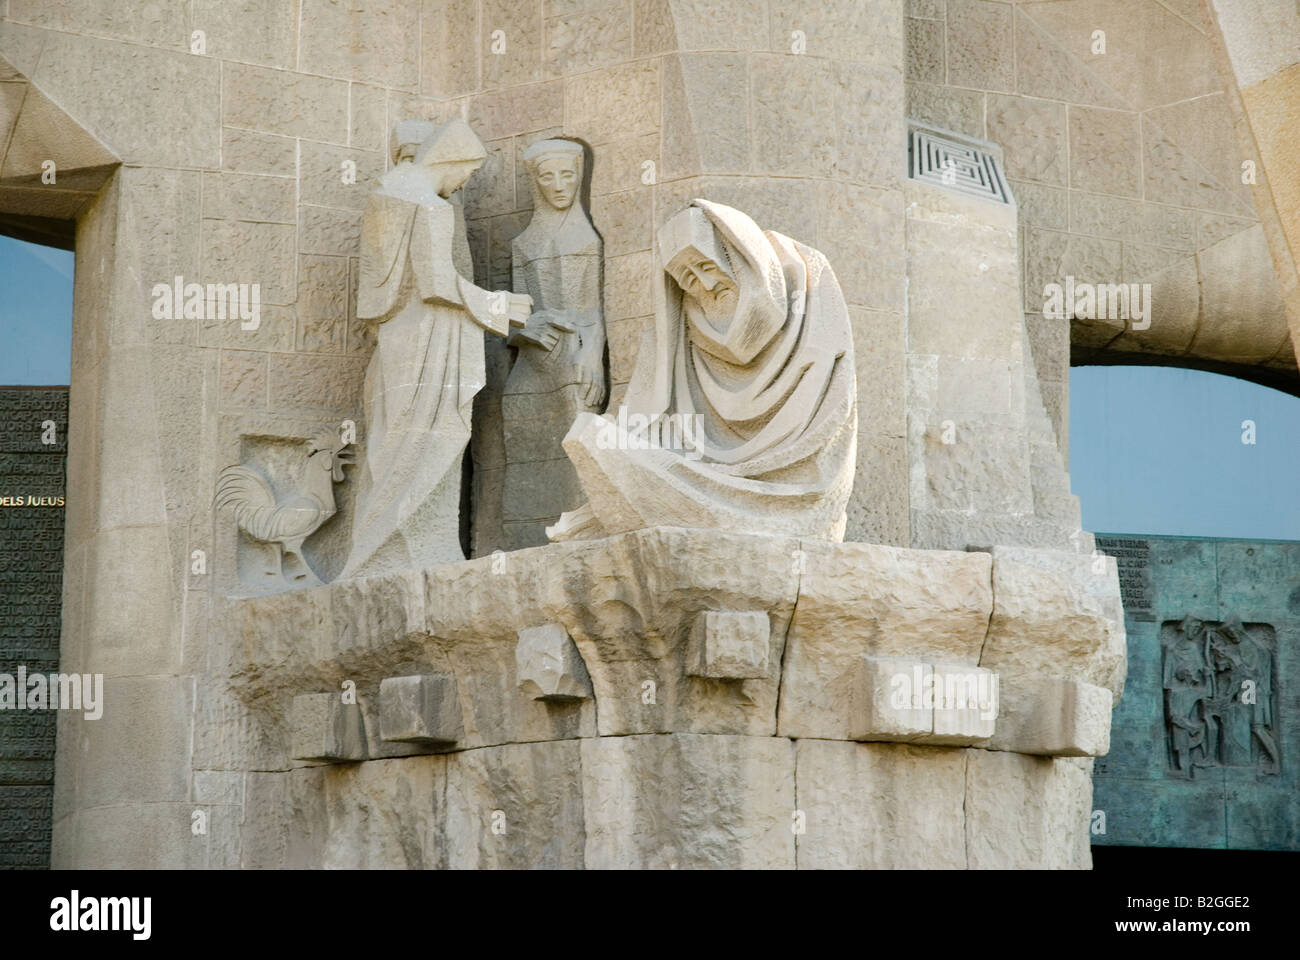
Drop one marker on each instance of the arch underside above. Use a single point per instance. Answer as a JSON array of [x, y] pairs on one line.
[[1284, 380]]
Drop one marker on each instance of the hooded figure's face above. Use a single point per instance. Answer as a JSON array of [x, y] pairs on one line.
[[706, 285], [729, 280], [450, 177]]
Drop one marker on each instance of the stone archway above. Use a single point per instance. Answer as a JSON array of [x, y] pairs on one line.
[[58, 187], [51, 168]]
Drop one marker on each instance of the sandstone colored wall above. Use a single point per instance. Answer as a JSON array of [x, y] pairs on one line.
[[1259, 46], [1126, 166], [655, 758], [678, 99], [226, 166], [229, 171]]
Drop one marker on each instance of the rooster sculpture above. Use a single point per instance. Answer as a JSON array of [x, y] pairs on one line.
[[287, 523]]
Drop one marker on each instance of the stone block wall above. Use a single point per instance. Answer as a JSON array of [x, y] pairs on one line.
[[242, 139], [793, 117], [656, 756], [236, 142], [1127, 168], [1259, 45]]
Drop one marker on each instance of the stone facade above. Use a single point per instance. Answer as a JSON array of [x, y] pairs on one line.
[[654, 754], [236, 143], [1125, 151]]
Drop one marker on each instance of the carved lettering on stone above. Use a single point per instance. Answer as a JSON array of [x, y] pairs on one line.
[[32, 493]]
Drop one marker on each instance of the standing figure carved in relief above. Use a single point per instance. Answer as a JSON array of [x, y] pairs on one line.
[[1245, 704], [1218, 680], [742, 412], [416, 289], [1186, 688], [559, 364]]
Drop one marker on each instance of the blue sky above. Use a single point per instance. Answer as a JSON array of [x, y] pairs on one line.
[[1159, 450], [35, 314], [1154, 450]]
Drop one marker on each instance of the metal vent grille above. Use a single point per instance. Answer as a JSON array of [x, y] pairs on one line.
[[964, 167]]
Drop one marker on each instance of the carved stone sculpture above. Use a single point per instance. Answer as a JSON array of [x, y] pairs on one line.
[[559, 362], [1218, 681], [285, 523], [415, 286], [742, 411]]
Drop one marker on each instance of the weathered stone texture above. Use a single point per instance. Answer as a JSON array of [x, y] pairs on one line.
[[1124, 167], [880, 806], [685, 801], [1027, 812]]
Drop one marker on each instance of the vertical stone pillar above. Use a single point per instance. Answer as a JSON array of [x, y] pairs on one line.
[[1259, 49], [792, 114], [984, 465]]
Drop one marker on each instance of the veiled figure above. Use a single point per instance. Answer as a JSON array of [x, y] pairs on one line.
[[428, 361], [559, 361], [748, 371]]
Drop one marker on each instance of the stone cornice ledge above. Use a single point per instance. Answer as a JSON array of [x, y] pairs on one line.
[[815, 640]]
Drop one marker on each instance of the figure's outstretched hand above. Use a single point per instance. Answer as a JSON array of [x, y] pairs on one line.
[[543, 329]]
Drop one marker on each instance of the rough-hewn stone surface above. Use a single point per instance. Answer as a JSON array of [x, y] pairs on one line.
[[1157, 127], [1027, 812], [234, 170], [663, 766]]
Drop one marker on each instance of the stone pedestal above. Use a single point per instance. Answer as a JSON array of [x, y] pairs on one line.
[[687, 753]]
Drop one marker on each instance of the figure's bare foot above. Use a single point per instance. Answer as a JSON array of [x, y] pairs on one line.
[[579, 523]]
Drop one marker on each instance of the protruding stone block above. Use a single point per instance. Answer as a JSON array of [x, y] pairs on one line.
[[548, 665], [965, 704], [907, 700], [1056, 613], [1057, 717], [420, 709], [729, 645], [324, 728], [886, 701]]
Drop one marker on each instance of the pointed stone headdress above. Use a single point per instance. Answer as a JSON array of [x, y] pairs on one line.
[[453, 142], [409, 133]]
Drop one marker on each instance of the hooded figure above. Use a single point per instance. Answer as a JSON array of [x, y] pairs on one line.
[[558, 368], [742, 412], [428, 361]]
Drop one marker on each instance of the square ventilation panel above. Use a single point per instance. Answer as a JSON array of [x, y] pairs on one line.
[[946, 159]]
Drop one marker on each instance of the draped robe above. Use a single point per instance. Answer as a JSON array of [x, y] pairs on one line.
[[421, 381], [773, 393], [557, 261]]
